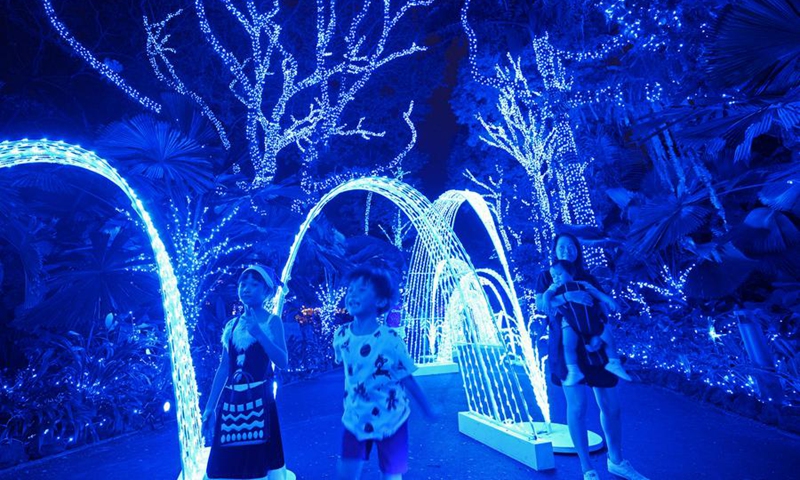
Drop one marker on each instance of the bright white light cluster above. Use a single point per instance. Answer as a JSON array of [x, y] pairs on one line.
[[395, 166], [456, 296], [199, 251], [573, 191], [427, 334], [31, 152], [536, 132], [270, 130], [523, 136], [672, 289], [330, 298], [157, 52], [270, 80], [104, 68]]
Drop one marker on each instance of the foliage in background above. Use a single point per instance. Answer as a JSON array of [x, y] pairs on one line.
[[688, 119], [692, 142], [79, 389]]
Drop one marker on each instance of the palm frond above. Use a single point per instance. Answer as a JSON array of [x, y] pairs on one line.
[[88, 281], [758, 45], [657, 226], [782, 191], [159, 152], [716, 279], [768, 231]]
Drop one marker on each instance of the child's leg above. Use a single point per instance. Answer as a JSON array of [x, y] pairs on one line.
[[608, 339], [393, 454], [354, 454], [570, 339], [614, 365], [349, 469]]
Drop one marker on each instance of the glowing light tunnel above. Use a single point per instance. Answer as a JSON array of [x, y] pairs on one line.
[[31, 152], [490, 384], [428, 328]]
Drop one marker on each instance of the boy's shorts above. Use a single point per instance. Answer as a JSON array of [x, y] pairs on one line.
[[392, 450]]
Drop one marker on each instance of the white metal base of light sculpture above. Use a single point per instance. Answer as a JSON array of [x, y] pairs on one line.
[[426, 369], [558, 435], [536, 453], [202, 459]]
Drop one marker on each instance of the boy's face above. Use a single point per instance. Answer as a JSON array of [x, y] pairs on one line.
[[560, 276], [362, 300], [252, 292]]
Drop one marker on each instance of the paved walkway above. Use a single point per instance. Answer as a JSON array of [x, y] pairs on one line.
[[667, 436]]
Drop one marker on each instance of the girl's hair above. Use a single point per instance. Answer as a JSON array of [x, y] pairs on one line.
[[578, 266], [567, 266], [381, 281], [260, 274]]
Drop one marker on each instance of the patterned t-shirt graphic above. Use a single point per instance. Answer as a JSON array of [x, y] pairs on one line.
[[375, 402]]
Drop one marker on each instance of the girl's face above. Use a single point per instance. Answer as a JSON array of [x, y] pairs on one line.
[[566, 250], [252, 292], [362, 301]]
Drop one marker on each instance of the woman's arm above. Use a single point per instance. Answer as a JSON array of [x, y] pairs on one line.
[[548, 302], [600, 295]]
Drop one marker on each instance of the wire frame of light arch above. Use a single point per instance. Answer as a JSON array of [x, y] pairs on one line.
[[26, 152], [490, 384], [430, 333]]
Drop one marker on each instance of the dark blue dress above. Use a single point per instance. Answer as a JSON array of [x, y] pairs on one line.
[[247, 437]]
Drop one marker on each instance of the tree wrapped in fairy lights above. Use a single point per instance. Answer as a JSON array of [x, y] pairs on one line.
[[295, 78], [534, 129], [204, 255]]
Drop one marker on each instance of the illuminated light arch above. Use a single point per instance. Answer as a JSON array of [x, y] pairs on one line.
[[423, 322], [490, 384], [25, 152]]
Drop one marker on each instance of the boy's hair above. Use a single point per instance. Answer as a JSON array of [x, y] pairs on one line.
[[380, 279], [565, 265]]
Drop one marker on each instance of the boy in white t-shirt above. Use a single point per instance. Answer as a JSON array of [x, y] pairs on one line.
[[377, 379]]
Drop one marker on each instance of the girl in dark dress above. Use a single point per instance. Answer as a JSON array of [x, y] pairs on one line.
[[241, 419], [600, 380]]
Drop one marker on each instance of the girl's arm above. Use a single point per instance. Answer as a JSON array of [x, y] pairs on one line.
[[270, 335], [213, 398], [219, 381], [413, 389]]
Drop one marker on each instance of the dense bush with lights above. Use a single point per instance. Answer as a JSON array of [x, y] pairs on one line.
[[79, 389]]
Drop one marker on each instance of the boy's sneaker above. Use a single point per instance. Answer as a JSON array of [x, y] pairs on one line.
[[591, 475], [624, 470], [614, 366], [574, 376]]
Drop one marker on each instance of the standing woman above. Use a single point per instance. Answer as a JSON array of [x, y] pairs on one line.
[[241, 419], [596, 377]]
